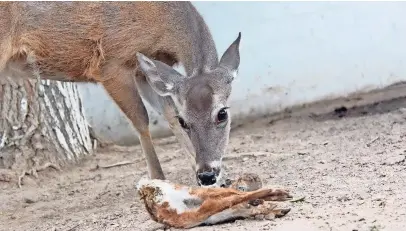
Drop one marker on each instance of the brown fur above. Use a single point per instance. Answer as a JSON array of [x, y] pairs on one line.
[[231, 202], [102, 42], [79, 39], [98, 42]]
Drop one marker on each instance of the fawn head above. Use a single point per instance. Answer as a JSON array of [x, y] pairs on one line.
[[202, 106]]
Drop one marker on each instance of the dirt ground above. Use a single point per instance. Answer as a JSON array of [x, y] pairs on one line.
[[350, 164]]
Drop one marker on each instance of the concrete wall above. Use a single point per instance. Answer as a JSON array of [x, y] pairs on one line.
[[291, 53]]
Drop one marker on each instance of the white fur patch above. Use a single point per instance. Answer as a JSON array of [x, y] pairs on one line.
[[234, 74], [216, 100], [168, 86], [207, 69], [215, 164], [174, 197]]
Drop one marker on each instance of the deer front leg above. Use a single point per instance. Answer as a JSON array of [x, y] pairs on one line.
[[120, 85], [165, 106]]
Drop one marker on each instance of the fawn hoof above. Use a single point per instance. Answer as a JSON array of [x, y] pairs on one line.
[[282, 213], [283, 194], [276, 213], [256, 202], [278, 195]]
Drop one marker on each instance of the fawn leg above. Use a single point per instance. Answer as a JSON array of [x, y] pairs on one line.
[[212, 206], [120, 85], [279, 195], [239, 211], [243, 210], [207, 193]]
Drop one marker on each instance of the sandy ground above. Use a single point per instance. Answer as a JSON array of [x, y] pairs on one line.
[[350, 165]]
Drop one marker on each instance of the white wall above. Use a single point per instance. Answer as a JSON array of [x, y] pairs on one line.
[[291, 53]]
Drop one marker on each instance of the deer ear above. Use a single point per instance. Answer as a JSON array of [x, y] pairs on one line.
[[231, 57], [163, 79]]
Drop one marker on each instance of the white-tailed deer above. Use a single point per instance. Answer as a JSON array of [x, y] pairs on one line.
[[131, 48]]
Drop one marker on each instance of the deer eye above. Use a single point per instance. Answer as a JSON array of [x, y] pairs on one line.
[[182, 123], [222, 116]]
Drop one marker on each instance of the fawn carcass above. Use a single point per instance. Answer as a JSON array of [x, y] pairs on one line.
[[180, 206]]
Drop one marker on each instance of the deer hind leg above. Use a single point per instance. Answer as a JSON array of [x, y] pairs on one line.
[[120, 85]]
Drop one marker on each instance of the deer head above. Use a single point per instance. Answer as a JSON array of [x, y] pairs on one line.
[[202, 105]]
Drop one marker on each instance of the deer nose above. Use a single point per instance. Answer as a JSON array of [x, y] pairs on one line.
[[207, 178]]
